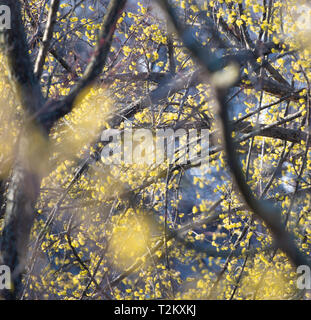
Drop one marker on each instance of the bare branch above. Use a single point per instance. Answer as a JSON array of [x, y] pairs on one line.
[[48, 34], [99, 57]]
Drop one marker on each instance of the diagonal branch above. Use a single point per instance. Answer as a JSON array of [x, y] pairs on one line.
[[54, 110], [46, 41], [100, 54]]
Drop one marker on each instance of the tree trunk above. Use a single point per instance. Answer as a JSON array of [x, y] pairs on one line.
[[22, 193]]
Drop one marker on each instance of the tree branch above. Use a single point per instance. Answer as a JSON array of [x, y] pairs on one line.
[[100, 54], [48, 34], [14, 44]]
